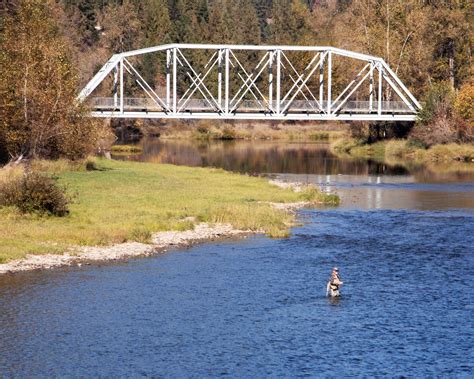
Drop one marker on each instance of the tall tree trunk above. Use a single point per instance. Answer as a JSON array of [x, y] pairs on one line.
[[451, 64]]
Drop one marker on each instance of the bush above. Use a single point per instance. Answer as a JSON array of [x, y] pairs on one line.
[[440, 130], [436, 122], [359, 130], [34, 193], [370, 132], [464, 103], [228, 133], [464, 108]]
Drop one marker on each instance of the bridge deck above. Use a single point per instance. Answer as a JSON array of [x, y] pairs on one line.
[[200, 108]]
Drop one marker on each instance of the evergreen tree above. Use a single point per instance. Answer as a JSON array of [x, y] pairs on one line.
[[156, 22], [121, 27], [263, 10], [246, 25], [450, 32], [291, 23], [156, 31]]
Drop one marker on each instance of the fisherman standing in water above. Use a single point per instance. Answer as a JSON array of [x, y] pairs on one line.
[[334, 283]]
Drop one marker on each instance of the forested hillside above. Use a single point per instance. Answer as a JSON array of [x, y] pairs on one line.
[[50, 49], [424, 41]]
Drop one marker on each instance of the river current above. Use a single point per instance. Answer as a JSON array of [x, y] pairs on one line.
[[403, 240]]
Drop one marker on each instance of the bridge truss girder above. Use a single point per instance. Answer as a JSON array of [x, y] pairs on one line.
[[278, 101]]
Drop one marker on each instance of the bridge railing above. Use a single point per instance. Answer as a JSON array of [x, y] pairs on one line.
[[248, 106]]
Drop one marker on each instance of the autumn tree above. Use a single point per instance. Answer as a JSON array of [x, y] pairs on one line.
[[121, 27], [39, 116]]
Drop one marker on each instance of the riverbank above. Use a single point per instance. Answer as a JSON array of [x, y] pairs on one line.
[[399, 151], [160, 243], [127, 202], [230, 130]]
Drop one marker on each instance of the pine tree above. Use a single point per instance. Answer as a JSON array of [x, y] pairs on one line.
[[156, 22], [156, 31], [121, 27], [290, 23]]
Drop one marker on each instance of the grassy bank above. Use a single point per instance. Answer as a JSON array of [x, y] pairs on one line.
[[213, 130], [404, 150], [127, 201]]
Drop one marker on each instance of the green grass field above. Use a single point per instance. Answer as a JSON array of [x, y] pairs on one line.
[[127, 201]]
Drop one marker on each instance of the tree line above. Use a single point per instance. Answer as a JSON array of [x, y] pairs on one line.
[[424, 41], [50, 48]]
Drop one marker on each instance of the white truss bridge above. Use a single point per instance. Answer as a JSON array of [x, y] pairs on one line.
[[198, 81]]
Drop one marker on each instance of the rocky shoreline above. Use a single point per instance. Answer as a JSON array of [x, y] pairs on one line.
[[91, 254]]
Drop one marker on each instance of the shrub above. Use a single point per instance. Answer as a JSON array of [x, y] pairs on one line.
[[438, 101], [440, 130], [464, 108], [34, 193], [319, 136], [228, 133], [140, 234], [464, 103], [359, 130], [204, 128], [396, 149], [436, 122]]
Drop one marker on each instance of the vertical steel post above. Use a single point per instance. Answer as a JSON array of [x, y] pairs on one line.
[[227, 69], [371, 88], [270, 80], [116, 79], [329, 82], [121, 85], [379, 99], [168, 77], [219, 77], [321, 78], [278, 83], [175, 87]]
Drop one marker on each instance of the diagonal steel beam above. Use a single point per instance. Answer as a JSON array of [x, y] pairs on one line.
[[355, 80], [248, 86], [201, 83], [399, 93], [299, 77], [308, 76], [146, 87], [350, 93], [249, 78], [196, 86], [253, 78], [295, 85]]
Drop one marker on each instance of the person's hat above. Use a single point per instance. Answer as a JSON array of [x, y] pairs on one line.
[[335, 269]]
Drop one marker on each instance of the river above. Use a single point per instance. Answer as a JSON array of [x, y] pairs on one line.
[[403, 239]]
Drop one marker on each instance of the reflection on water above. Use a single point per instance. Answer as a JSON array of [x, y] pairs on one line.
[[360, 183], [392, 192], [259, 157]]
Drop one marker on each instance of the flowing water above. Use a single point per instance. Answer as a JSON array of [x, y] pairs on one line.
[[402, 238]]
